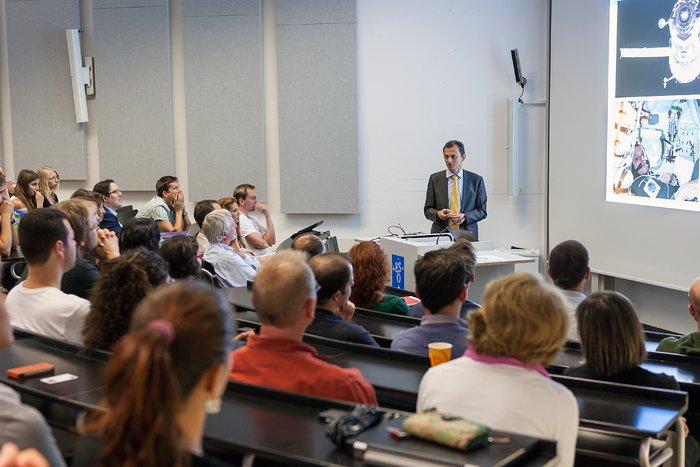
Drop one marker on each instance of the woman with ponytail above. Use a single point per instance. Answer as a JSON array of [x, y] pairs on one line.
[[501, 380], [122, 285], [164, 376]]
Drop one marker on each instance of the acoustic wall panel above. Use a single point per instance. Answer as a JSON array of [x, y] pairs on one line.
[[134, 91], [44, 130], [224, 97], [317, 88]]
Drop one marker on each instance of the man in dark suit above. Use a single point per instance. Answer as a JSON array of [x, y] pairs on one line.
[[112, 200], [445, 209]]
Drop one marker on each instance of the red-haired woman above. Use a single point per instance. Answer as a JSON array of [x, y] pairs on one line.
[[371, 270]]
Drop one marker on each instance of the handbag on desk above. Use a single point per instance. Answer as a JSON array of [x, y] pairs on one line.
[[448, 430]]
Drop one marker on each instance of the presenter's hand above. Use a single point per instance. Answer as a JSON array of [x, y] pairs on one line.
[[443, 214], [260, 207], [457, 218]]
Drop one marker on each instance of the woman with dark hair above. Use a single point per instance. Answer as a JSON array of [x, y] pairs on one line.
[[371, 269], [613, 344], [180, 255], [174, 362], [139, 231], [27, 195], [122, 285]]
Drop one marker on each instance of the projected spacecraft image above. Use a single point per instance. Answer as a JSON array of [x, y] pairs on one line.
[[654, 104]]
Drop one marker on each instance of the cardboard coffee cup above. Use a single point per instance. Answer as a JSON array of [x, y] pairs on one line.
[[440, 352]]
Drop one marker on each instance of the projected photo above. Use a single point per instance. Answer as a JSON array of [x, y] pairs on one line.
[[654, 104]]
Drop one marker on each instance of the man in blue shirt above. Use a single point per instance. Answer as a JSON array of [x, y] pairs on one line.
[[441, 284], [333, 318]]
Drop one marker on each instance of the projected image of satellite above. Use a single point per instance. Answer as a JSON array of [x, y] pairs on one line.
[[683, 51]]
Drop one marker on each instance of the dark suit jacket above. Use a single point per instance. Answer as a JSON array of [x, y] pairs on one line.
[[110, 222], [473, 201]]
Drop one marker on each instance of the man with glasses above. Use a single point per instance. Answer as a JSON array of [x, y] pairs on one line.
[[455, 198], [112, 200]]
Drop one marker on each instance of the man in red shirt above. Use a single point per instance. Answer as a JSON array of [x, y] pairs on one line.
[[284, 296]]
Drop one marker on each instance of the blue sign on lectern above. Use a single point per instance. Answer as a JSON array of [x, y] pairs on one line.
[[397, 271]]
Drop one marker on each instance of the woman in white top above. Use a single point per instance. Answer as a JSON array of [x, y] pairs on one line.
[[234, 268], [501, 381]]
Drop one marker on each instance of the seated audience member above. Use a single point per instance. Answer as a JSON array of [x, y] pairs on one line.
[[82, 216], [180, 255], [201, 209], [371, 268], [8, 235], [690, 343], [259, 239], [441, 284], [501, 381], [27, 195], [233, 269], [167, 207], [11, 184], [95, 198], [613, 344], [123, 284], [21, 424], [231, 205], [174, 363], [466, 251], [284, 296], [568, 268], [334, 310], [48, 185], [112, 201], [139, 232], [310, 244], [37, 304]]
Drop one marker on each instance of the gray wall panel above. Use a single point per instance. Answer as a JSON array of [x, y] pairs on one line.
[[44, 130], [220, 7], [224, 101], [315, 11], [317, 82], [134, 93], [128, 3]]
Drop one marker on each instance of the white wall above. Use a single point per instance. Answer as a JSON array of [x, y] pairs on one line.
[[427, 72]]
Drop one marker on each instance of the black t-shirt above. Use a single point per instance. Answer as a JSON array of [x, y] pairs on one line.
[[636, 376]]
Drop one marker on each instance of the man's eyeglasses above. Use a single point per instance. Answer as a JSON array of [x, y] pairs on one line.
[[115, 191]]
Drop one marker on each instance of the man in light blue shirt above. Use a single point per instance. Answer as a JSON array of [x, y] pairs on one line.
[[441, 284]]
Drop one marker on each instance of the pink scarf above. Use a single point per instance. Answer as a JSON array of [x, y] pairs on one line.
[[471, 353]]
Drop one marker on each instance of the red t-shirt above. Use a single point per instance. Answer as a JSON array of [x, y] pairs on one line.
[[293, 366]]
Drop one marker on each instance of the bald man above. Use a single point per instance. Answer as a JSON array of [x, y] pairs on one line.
[[284, 297], [690, 343]]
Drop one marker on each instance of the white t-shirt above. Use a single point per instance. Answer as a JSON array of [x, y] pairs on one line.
[[504, 398], [232, 269], [47, 311], [249, 225]]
